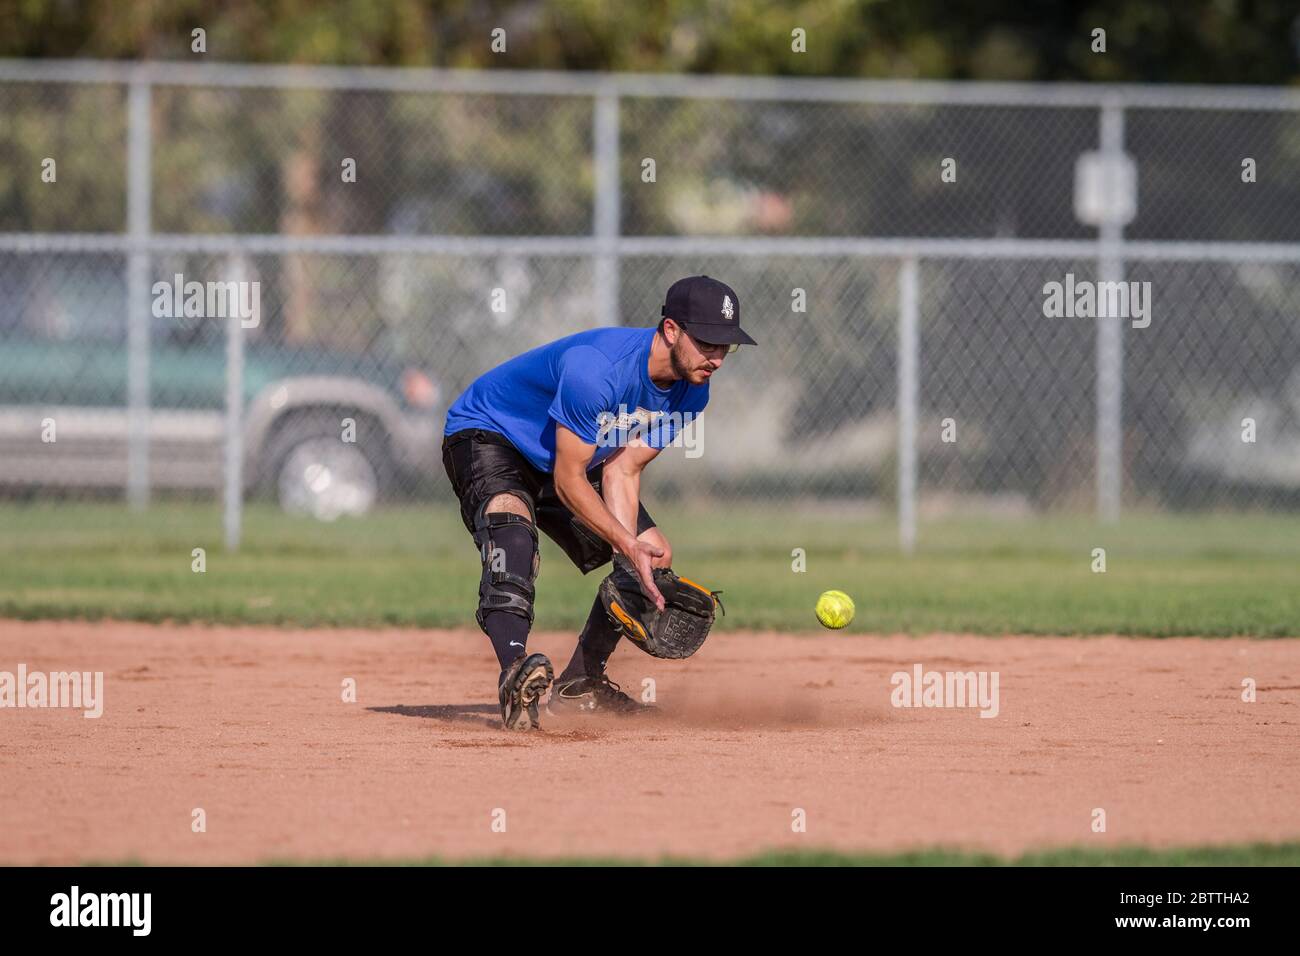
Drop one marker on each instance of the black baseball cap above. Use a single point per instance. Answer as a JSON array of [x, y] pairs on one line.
[[708, 309]]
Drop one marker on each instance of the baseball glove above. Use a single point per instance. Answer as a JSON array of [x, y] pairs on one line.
[[675, 632]]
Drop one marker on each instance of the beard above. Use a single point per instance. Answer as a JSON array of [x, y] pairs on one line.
[[680, 368]]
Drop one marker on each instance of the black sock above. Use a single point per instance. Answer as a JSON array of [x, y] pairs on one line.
[[507, 630], [509, 635], [596, 643]]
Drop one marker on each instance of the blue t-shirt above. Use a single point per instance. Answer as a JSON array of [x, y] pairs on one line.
[[595, 383]]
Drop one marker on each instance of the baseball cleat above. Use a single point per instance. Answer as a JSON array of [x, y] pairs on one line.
[[591, 695], [521, 686]]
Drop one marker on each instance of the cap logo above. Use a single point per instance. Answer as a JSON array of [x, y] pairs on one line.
[[727, 310]]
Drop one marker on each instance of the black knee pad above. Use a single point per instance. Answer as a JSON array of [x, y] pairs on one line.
[[500, 588]]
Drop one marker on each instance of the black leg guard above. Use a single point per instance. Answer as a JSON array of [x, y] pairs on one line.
[[502, 588]]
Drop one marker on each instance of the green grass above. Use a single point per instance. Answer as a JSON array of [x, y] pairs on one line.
[[1213, 575], [1257, 854]]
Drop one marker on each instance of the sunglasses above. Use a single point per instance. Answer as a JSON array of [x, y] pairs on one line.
[[710, 347]]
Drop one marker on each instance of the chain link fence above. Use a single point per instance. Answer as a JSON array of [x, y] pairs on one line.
[[407, 230]]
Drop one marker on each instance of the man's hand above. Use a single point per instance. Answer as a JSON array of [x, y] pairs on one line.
[[642, 556]]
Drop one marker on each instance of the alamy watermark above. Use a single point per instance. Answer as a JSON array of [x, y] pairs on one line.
[[176, 298], [922, 688], [1085, 299], [75, 908], [78, 690], [658, 429]]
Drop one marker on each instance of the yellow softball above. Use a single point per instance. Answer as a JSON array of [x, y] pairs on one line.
[[835, 609]]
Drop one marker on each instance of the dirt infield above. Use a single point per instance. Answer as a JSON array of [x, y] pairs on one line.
[[249, 725]]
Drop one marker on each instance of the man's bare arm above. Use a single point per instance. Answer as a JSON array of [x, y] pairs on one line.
[[572, 456], [622, 482]]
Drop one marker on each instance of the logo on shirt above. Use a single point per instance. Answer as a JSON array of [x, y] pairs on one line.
[[625, 420], [727, 310]]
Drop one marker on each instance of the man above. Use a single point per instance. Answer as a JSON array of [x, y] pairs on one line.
[[556, 439]]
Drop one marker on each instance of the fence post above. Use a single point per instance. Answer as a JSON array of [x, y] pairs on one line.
[[138, 203], [908, 396], [1110, 340], [605, 224], [233, 511]]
